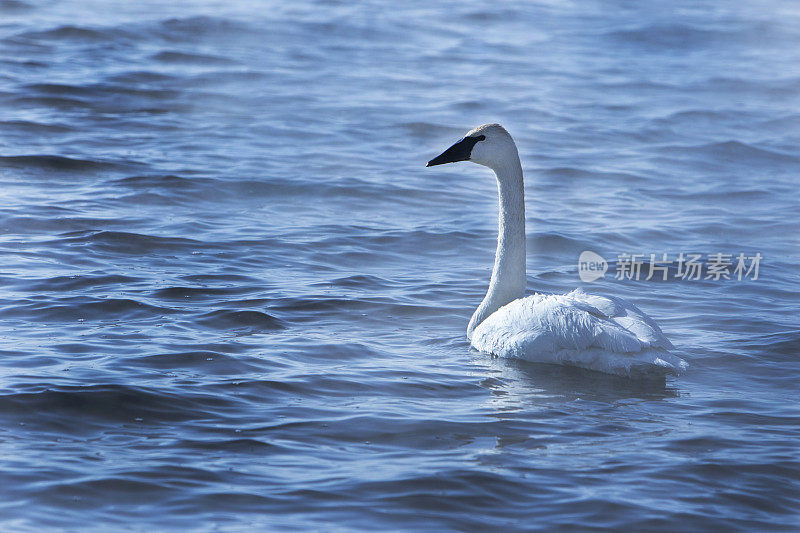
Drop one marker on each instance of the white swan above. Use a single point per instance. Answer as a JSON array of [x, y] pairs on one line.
[[595, 332]]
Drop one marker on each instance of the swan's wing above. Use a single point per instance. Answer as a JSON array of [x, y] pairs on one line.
[[623, 314], [596, 332]]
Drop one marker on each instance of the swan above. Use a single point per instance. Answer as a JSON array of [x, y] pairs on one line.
[[598, 333]]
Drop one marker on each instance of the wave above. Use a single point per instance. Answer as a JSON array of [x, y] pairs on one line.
[[141, 77], [572, 173], [185, 187], [233, 319], [61, 163], [552, 241], [733, 151], [358, 281], [79, 407], [202, 361], [95, 94], [185, 58], [196, 28], [200, 293], [79, 282], [69, 33], [126, 242], [239, 445], [14, 6], [55, 102], [61, 88], [783, 346], [83, 308], [188, 30], [669, 36], [34, 127], [222, 278]]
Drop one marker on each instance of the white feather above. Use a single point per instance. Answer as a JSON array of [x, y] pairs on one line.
[[594, 332]]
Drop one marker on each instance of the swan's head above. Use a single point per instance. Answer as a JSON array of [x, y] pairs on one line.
[[489, 145]]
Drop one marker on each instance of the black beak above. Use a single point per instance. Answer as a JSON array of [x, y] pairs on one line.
[[460, 151]]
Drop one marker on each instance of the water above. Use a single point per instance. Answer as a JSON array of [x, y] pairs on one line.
[[233, 297]]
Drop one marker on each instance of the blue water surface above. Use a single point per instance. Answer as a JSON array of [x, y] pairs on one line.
[[233, 298]]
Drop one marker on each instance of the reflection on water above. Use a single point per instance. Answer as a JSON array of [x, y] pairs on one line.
[[524, 384]]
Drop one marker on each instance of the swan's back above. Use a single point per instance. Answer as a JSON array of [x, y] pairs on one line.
[[594, 332]]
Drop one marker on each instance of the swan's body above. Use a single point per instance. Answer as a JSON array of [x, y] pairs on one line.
[[594, 332]]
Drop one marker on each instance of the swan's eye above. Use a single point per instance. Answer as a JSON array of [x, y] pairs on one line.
[[480, 138]]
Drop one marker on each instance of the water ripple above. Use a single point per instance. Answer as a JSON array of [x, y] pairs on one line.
[[233, 297]]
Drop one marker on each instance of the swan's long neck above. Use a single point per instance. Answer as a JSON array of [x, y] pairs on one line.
[[508, 276]]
